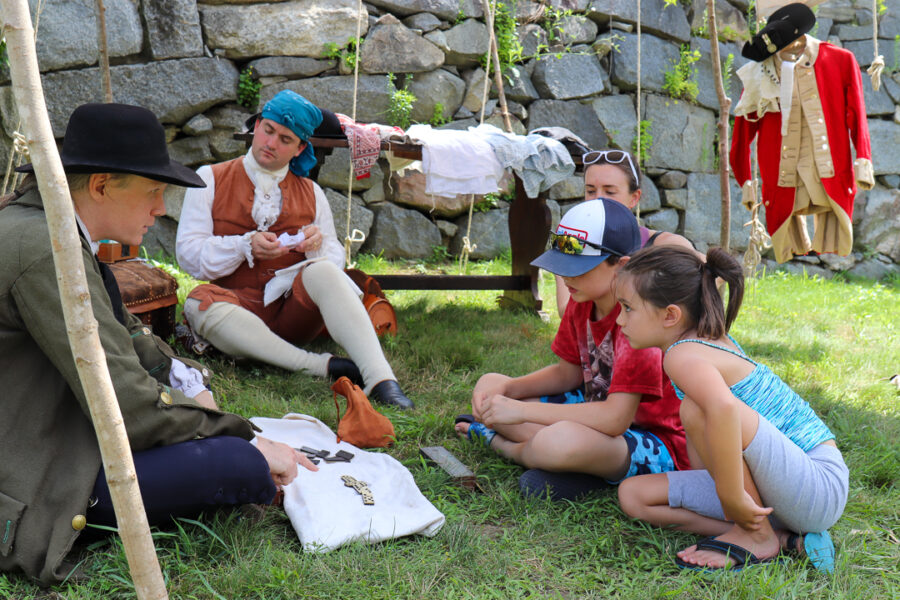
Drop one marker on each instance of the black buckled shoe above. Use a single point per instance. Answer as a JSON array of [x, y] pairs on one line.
[[389, 392], [344, 367]]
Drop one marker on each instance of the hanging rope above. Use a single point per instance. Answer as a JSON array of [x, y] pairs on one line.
[[467, 246], [759, 238], [877, 65], [355, 235], [20, 144], [638, 157]]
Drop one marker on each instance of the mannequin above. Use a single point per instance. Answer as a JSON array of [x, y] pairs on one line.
[[803, 102]]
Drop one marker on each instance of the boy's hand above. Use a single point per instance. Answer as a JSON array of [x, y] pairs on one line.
[[488, 386], [747, 514], [500, 410]]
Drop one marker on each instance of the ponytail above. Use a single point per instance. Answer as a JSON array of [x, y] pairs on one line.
[[664, 275]]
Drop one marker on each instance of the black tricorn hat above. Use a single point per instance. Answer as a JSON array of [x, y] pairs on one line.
[[783, 27], [120, 138]]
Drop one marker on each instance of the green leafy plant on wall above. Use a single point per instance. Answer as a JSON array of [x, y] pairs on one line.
[[646, 141], [402, 101], [727, 70], [509, 49], [248, 89], [681, 79], [554, 24], [437, 117], [348, 53]]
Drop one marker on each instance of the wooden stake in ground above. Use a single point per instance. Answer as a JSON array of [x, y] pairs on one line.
[[724, 110], [81, 326], [104, 52]]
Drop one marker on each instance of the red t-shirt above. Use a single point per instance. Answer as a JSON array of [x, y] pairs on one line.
[[611, 365]]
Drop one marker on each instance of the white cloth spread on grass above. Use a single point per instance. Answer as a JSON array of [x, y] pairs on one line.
[[456, 162], [539, 161], [327, 514]]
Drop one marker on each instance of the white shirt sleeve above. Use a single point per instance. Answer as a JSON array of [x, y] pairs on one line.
[[186, 379], [199, 252], [332, 246]]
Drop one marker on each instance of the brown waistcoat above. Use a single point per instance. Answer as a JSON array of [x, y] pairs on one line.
[[232, 213]]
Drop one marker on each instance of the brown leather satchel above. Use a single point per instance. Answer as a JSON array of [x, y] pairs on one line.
[[381, 313], [361, 424], [149, 293]]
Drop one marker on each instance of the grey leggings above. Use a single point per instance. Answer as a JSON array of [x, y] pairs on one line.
[[807, 490]]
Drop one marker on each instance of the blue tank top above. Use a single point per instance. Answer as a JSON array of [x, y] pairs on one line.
[[765, 392]]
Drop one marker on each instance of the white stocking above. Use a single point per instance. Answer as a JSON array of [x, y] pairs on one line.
[[238, 332], [347, 321]]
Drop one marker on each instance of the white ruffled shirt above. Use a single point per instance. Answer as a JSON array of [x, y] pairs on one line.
[[208, 257]]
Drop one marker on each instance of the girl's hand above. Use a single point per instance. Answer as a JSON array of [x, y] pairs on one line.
[[747, 514], [500, 410]]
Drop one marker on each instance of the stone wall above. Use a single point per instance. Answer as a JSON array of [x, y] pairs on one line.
[[182, 59]]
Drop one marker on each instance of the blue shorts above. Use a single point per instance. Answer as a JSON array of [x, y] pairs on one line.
[[647, 453]]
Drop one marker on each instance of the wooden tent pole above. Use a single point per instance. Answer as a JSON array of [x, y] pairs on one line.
[[498, 74], [724, 110], [81, 326], [103, 46]]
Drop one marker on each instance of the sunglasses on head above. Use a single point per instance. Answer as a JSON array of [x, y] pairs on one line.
[[569, 244], [612, 157]]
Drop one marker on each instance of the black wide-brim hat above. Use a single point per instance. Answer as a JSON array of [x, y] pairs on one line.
[[120, 138], [783, 27]]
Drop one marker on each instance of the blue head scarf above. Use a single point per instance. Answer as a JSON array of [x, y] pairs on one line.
[[300, 116]]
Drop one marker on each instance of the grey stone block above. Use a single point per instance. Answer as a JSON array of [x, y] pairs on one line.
[[658, 56], [297, 28], [336, 92], [568, 76], [683, 135], [401, 233], [174, 90], [703, 215], [675, 198], [878, 226], [617, 117], [572, 115], [656, 18], [191, 151], [433, 88], [67, 33], [291, 67], [885, 137], [360, 217], [672, 180], [663, 220], [489, 233], [173, 28]]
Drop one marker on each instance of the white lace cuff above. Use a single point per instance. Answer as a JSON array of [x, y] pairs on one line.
[[187, 380], [245, 248]]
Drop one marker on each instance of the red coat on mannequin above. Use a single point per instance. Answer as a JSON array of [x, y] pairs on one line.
[[840, 92]]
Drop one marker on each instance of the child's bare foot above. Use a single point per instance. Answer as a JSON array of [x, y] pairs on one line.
[[762, 547]]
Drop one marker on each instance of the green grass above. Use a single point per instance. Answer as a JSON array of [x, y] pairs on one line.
[[834, 341]]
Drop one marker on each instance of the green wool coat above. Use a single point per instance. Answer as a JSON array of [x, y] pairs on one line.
[[50, 454]]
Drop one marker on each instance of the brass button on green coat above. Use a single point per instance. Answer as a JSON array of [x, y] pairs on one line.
[[165, 397], [79, 522]]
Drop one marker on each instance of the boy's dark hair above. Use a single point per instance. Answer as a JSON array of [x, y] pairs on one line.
[[665, 275]]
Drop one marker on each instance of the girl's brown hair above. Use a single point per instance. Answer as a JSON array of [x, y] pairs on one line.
[[664, 275]]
